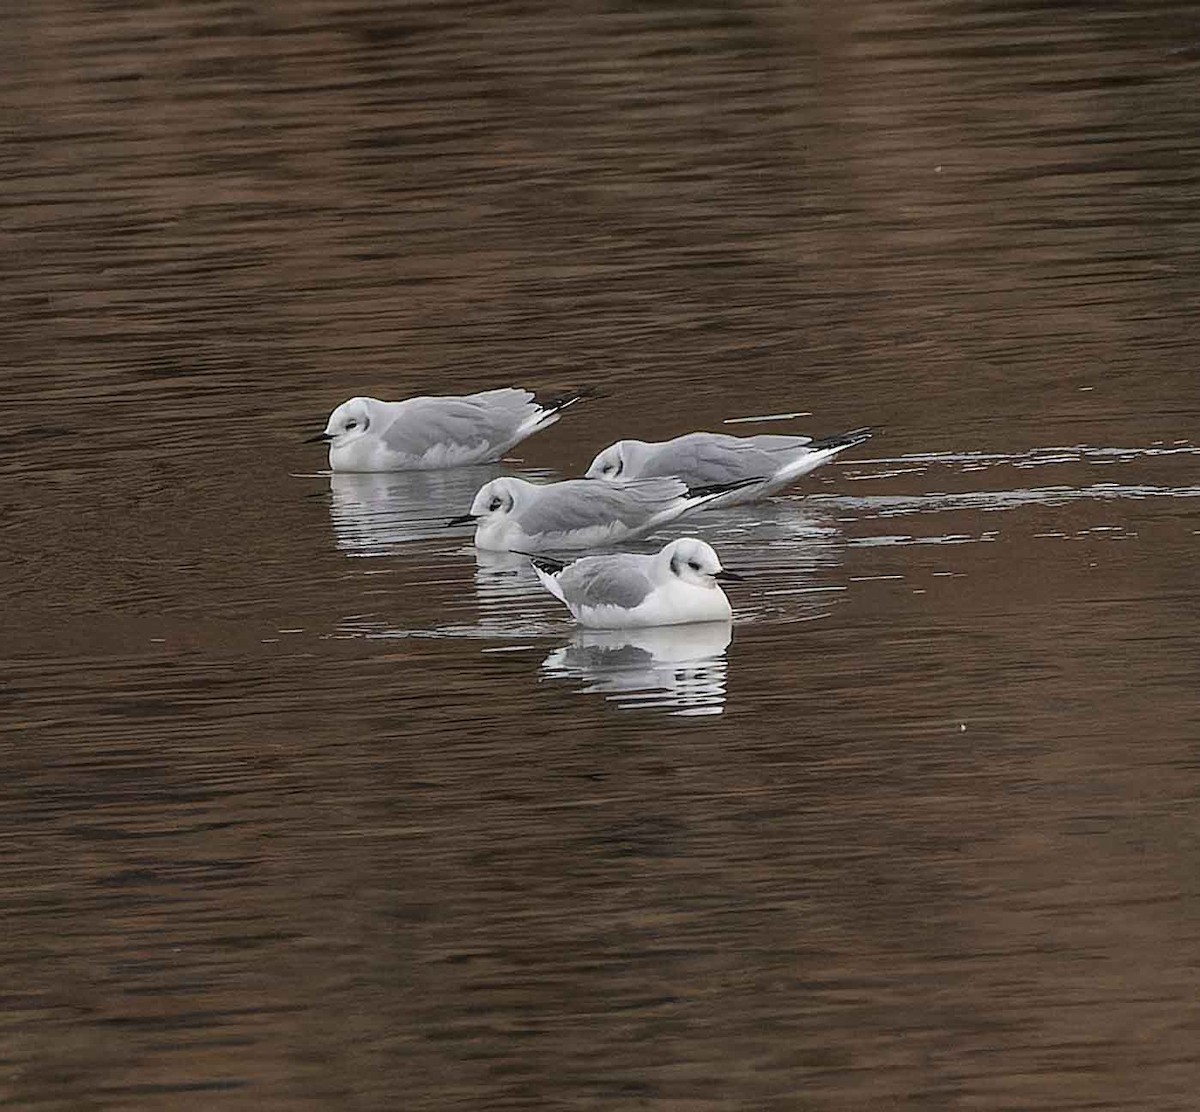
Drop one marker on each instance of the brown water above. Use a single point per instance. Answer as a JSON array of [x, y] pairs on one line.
[[307, 806]]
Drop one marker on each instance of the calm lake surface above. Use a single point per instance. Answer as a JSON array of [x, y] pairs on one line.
[[308, 805]]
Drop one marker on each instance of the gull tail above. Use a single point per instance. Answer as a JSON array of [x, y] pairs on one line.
[[541, 415], [692, 498], [842, 440], [700, 495], [814, 454], [548, 564], [546, 569], [551, 409]]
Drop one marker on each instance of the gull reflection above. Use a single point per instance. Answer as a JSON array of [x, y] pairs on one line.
[[677, 669], [375, 514], [509, 597], [491, 566]]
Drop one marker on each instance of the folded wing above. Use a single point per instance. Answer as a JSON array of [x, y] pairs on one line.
[[475, 421], [704, 458], [583, 503], [621, 580]]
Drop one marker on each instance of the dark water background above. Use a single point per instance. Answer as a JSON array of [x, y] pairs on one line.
[[306, 807]]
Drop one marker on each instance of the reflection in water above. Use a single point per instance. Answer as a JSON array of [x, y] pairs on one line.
[[786, 552], [678, 669], [990, 501], [966, 462], [374, 514], [510, 599], [961, 469], [374, 870], [788, 523], [788, 548]]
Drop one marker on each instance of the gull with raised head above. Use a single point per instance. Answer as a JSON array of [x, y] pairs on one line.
[[707, 458], [675, 585], [425, 433], [511, 514]]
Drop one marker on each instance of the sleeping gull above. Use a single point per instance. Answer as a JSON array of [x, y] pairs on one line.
[[709, 458], [677, 584], [420, 434], [512, 514]]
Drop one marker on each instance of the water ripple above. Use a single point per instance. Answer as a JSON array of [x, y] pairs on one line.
[[677, 669], [990, 501], [378, 514]]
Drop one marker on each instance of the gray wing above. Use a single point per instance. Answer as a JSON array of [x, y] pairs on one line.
[[475, 421], [704, 458], [621, 580], [584, 503]]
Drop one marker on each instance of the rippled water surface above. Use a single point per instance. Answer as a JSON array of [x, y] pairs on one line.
[[309, 805]]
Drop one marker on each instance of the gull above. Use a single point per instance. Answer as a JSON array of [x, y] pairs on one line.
[[421, 434], [710, 458], [676, 585], [511, 514]]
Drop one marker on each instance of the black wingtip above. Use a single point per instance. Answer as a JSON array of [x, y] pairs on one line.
[[547, 564], [724, 488], [562, 401], [843, 440]]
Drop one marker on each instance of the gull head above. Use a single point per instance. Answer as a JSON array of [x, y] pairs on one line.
[[491, 511], [349, 421], [618, 462], [608, 464], [693, 561], [495, 499]]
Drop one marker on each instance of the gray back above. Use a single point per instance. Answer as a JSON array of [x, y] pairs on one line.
[[703, 458], [584, 503], [621, 580], [476, 420]]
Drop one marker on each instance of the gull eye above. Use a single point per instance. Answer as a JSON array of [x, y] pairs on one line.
[[495, 504], [693, 565], [351, 425]]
